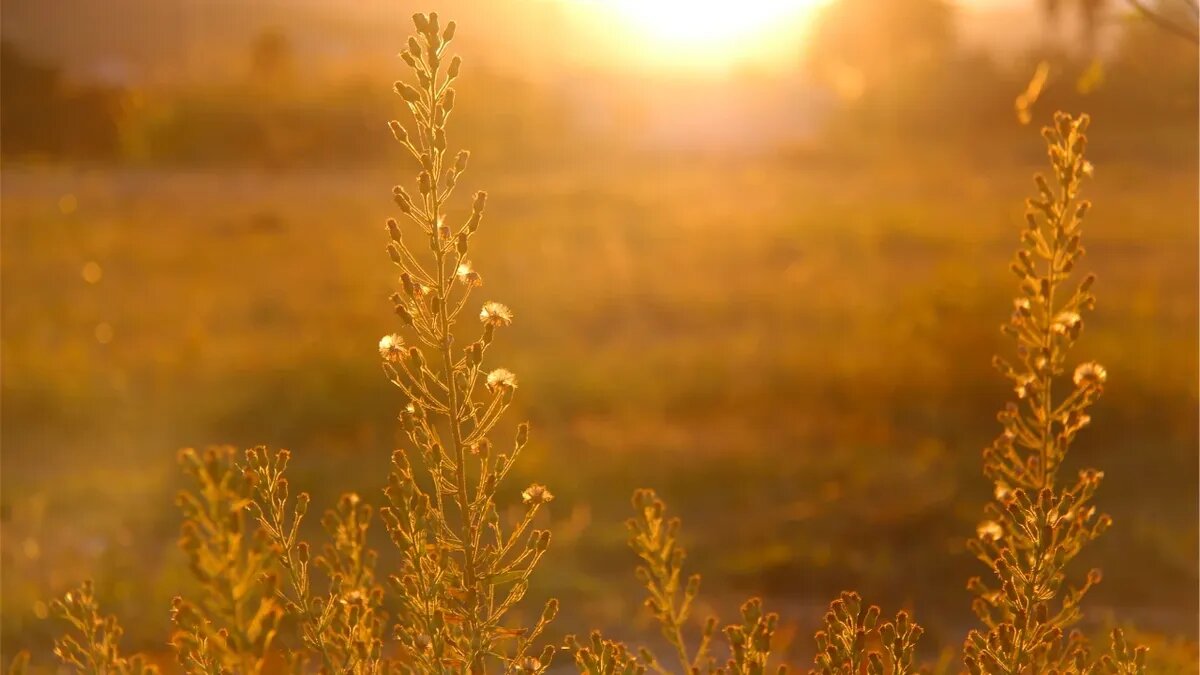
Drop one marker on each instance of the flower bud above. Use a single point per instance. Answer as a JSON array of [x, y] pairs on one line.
[[407, 92], [398, 131], [402, 199]]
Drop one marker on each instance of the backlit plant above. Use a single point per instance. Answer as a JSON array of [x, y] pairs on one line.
[[462, 566], [1037, 525], [445, 606]]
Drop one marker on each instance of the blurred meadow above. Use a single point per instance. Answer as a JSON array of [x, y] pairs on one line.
[[761, 273]]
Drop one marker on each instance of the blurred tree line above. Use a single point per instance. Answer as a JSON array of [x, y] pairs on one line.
[[271, 117], [895, 68], [897, 65], [41, 114]]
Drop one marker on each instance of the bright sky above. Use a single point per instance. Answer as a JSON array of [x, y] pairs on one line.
[[699, 34]]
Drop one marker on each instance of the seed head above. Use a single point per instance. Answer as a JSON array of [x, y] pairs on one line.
[[989, 530], [391, 348], [467, 275], [501, 379], [536, 494], [1066, 322], [1090, 375], [496, 314]]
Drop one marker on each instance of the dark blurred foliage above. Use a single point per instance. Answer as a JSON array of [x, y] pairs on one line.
[[42, 114], [895, 69], [271, 117], [924, 82]]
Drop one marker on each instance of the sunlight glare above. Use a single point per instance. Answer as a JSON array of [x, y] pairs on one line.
[[707, 31]]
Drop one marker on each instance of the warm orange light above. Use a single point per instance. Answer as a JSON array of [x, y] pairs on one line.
[[703, 33]]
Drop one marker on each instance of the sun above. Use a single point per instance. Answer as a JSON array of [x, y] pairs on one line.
[[707, 31]]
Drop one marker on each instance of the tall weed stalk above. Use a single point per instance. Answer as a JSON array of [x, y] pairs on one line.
[[445, 607]]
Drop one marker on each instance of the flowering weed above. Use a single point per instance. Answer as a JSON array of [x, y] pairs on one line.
[[466, 541]]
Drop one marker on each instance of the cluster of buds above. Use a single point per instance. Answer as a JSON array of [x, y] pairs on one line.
[[233, 625], [94, 644], [1036, 526], [602, 657], [843, 644], [750, 640], [462, 567], [356, 620]]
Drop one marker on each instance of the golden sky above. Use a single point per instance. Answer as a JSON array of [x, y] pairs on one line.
[[698, 33]]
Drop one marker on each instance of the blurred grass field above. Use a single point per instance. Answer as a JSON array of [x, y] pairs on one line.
[[793, 349]]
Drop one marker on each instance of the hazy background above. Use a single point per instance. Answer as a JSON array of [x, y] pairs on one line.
[[763, 276]]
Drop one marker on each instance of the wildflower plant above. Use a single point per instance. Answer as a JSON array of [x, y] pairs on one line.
[[445, 606], [655, 540], [1039, 522], [462, 567], [94, 643], [843, 643], [232, 626]]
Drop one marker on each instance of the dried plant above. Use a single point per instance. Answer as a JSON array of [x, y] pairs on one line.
[[462, 567], [655, 540], [343, 626], [843, 646], [233, 626], [605, 657], [1036, 525], [94, 646], [358, 621]]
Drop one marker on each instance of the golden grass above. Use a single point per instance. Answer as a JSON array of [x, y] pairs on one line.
[[644, 282]]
